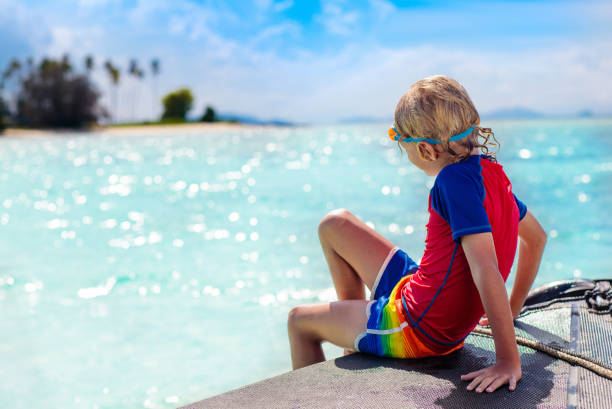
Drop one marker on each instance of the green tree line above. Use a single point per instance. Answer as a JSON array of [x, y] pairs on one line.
[[178, 103], [55, 93]]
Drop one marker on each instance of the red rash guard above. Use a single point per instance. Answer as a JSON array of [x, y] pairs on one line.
[[469, 197]]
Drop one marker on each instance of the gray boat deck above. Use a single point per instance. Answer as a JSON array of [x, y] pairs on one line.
[[363, 381]]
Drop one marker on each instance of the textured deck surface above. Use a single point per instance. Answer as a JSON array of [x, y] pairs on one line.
[[363, 381]]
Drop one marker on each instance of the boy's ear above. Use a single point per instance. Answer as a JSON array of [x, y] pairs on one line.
[[426, 151]]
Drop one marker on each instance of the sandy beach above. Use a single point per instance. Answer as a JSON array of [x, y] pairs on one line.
[[197, 127]]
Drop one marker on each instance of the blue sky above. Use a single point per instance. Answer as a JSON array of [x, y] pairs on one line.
[[320, 61]]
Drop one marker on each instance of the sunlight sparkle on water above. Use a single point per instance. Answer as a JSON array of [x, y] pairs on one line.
[[175, 238], [34, 286], [525, 154], [98, 291]]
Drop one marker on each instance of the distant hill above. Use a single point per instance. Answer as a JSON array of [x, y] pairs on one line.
[[514, 113], [526, 113], [505, 113], [365, 120], [248, 119]]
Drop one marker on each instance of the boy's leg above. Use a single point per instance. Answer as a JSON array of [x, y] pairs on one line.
[[337, 322], [354, 252]]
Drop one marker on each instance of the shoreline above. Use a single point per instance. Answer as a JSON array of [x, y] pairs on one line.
[[204, 127], [17, 133]]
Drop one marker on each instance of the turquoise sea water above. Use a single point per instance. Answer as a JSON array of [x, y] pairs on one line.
[[156, 270]]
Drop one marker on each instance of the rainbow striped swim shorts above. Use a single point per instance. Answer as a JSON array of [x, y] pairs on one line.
[[387, 333]]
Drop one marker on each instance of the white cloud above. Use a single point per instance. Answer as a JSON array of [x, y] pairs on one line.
[[191, 21], [94, 3], [383, 8], [263, 4], [357, 79], [72, 40], [177, 25], [22, 22], [369, 82], [61, 39], [289, 28], [283, 5], [278, 7], [335, 19]]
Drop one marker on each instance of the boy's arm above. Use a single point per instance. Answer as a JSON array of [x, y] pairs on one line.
[[531, 246], [480, 253]]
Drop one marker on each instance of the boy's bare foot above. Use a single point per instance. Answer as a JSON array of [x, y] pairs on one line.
[[349, 351]]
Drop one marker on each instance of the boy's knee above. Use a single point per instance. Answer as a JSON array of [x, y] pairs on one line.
[[333, 220], [295, 315]]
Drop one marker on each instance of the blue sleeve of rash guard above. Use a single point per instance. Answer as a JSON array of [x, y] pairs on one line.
[[521, 206], [458, 196]]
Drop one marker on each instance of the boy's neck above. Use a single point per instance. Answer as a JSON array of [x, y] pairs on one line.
[[443, 161]]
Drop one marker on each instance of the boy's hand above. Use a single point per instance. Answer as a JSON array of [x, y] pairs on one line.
[[493, 377], [479, 250]]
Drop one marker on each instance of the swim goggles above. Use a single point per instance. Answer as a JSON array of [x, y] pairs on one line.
[[395, 136]]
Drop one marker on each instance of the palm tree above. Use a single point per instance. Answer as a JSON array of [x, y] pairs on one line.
[[137, 73], [30, 64], [89, 64], [13, 67], [11, 70], [154, 73], [114, 75], [66, 65], [133, 67]]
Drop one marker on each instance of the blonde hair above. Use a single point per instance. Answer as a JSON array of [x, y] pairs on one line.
[[438, 107]]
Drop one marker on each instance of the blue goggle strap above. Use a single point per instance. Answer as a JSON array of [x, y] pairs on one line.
[[462, 134], [435, 141]]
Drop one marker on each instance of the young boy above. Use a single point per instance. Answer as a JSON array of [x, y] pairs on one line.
[[474, 225]]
